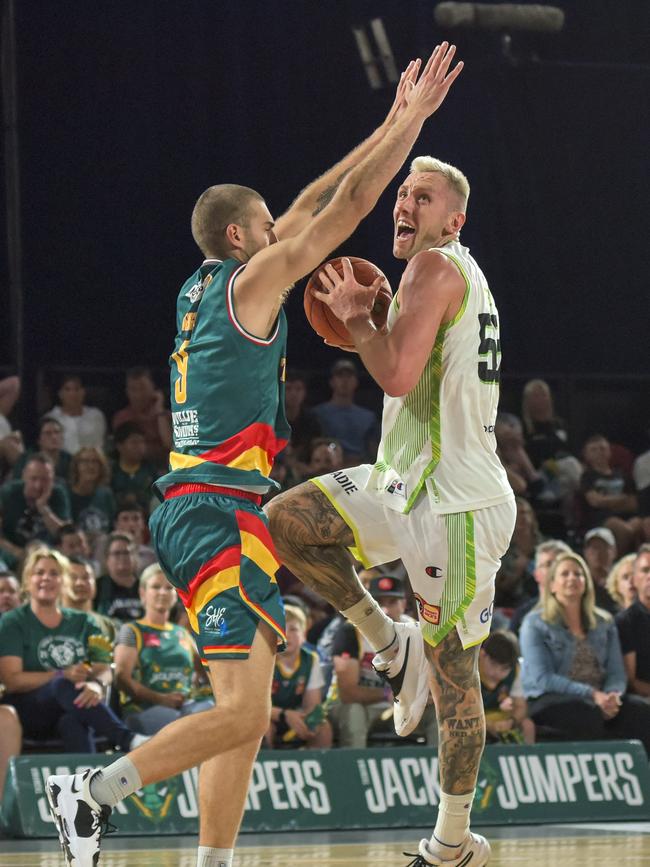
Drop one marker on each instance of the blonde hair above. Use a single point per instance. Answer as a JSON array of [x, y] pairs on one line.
[[533, 385], [456, 180], [149, 573], [216, 208], [98, 454], [611, 584], [553, 611], [294, 614], [42, 552]]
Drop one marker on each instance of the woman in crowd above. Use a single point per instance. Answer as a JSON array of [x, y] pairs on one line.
[[91, 500], [55, 664], [154, 660], [573, 673], [619, 582]]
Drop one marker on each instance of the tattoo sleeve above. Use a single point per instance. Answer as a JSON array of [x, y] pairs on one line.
[[461, 721], [312, 540], [328, 194]]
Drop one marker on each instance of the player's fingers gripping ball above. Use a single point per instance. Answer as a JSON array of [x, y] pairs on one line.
[[323, 320]]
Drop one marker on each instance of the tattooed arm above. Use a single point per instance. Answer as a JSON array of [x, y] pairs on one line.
[[456, 691], [312, 540]]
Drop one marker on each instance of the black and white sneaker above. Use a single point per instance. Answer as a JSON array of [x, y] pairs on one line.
[[408, 676], [474, 852], [80, 820]]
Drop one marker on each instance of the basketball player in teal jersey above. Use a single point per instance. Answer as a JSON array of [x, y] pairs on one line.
[[437, 496], [210, 535]]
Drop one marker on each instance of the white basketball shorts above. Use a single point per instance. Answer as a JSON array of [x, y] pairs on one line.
[[451, 560]]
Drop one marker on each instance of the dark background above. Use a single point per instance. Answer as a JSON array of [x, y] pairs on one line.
[[128, 110]]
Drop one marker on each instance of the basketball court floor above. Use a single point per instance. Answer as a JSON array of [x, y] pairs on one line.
[[618, 845]]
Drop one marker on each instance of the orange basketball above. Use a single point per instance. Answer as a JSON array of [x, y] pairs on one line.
[[321, 318]]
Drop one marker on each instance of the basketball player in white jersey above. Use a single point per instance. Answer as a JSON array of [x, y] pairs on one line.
[[437, 496]]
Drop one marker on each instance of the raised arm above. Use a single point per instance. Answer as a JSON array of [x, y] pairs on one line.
[[320, 192], [271, 270]]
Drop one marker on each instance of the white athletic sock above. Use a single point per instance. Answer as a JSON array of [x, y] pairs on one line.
[[374, 625], [208, 857], [452, 825], [116, 782]]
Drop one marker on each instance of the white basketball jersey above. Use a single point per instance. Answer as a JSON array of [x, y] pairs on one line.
[[440, 436]]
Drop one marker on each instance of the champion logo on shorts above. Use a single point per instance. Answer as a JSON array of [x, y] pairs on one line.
[[433, 571]]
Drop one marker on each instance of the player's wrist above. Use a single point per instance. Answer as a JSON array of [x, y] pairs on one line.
[[361, 328]]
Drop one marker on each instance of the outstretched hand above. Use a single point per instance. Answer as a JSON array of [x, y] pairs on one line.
[[427, 94], [406, 81]]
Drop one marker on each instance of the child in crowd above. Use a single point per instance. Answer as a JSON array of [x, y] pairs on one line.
[[297, 715], [503, 697]]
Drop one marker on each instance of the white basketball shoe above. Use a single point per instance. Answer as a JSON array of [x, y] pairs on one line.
[[474, 852], [408, 676]]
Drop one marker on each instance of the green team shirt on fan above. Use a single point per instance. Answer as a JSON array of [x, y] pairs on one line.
[[290, 686], [165, 660], [227, 388], [77, 638]]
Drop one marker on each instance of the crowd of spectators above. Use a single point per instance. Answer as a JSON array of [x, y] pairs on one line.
[[95, 650]]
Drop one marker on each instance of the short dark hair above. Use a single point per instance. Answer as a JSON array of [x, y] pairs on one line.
[[129, 506], [125, 430], [216, 208], [48, 419], [502, 646]]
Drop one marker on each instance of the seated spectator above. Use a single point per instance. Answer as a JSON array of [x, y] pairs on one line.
[[9, 596], [118, 592], [634, 627], [79, 591], [599, 550], [360, 702], [325, 456], [524, 479], [131, 476], [545, 554], [91, 500], [608, 498], [130, 519], [305, 426], [514, 580], [83, 426], [572, 672], [33, 508], [505, 706], [55, 664], [11, 442], [11, 740], [146, 409], [341, 418], [73, 542], [154, 661], [298, 716], [641, 476], [620, 582], [50, 443], [545, 434]]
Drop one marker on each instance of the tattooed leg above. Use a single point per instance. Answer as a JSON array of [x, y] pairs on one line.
[[312, 540], [456, 692]]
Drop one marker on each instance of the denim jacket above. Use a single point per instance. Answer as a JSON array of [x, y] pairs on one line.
[[548, 650]]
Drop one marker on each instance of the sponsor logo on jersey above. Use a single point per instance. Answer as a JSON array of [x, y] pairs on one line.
[[397, 488], [434, 571], [428, 612], [195, 292]]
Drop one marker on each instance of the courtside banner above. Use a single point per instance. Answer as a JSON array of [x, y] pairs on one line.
[[373, 788]]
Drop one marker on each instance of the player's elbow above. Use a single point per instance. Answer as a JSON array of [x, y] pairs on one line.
[[398, 383]]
